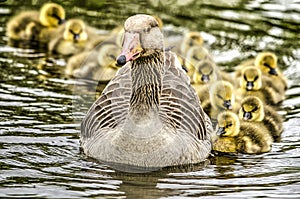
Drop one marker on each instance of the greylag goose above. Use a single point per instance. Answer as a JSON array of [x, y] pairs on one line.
[[148, 115]]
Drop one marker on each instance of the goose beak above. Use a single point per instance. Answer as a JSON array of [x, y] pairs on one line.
[[131, 48], [273, 71], [220, 131], [247, 116]]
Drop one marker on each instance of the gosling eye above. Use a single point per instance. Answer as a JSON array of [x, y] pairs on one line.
[[72, 32], [256, 77], [245, 77], [219, 96], [255, 109], [228, 125]]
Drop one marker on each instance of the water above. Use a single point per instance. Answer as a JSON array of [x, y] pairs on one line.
[[39, 140]]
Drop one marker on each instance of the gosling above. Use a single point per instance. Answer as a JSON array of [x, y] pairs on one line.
[[236, 136], [36, 25], [72, 38], [253, 110], [252, 83]]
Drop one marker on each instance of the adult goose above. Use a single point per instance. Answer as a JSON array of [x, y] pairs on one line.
[[148, 115]]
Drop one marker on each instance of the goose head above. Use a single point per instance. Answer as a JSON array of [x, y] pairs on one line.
[[221, 95], [75, 31], [267, 62], [142, 37], [252, 109], [228, 124], [52, 15], [251, 78]]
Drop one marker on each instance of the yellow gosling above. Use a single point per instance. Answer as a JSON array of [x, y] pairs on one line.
[[240, 137], [252, 83], [71, 38], [221, 97], [267, 62], [36, 25], [99, 64], [253, 110]]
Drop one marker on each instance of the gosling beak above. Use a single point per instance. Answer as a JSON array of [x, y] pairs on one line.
[[205, 78], [131, 48], [76, 37], [273, 71], [247, 116], [227, 104], [249, 85], [61, 21], [220, 131]]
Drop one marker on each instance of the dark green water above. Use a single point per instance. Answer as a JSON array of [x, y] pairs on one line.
[[39, 140]]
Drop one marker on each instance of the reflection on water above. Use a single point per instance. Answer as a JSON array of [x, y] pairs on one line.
[[39, 140]]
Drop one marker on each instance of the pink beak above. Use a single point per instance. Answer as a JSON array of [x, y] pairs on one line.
[[131, 48]]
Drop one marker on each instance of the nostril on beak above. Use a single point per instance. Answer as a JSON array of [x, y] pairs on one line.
[[121, 60]]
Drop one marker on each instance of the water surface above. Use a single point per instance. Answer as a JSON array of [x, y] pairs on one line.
[[39, 138]]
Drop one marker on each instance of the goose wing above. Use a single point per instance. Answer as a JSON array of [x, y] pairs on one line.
[[111, 108], [179, 103]]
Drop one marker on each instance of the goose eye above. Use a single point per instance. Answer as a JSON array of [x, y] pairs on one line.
[[256, 77], [245, 77], [112, 56], [147, 30]]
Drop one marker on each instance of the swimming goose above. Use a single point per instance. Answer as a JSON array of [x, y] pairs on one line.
[[99, 64], [71, 38], [253, 83], [148, 115], [236, 136], [36, 25], [253, 110]]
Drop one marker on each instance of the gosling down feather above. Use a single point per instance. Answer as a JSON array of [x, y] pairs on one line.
[[71, 38], [36, 25], [253, 110], [240, 137]]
